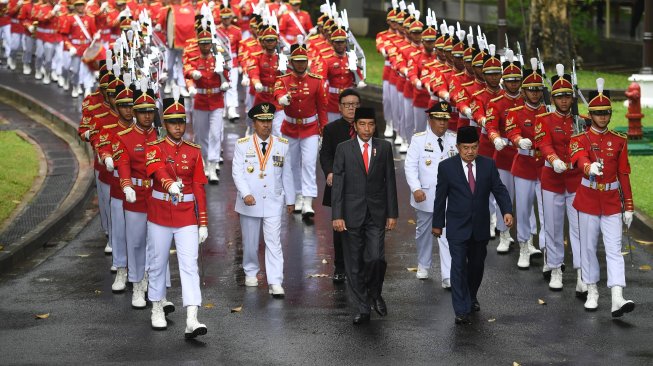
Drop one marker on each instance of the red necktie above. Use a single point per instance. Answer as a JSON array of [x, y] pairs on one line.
[[366, 159], [470, 177], [352, 132]]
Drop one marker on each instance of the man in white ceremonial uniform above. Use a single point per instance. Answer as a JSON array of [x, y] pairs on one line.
[[262, 172], [427, 149]]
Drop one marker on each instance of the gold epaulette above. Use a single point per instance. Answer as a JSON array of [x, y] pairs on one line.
[[578, 134], [315, 75], [497, 98], [192, 144], [478, 92], [543, 114], [382, 32], [243, 140], [283, 140], [101, 115], [461, 73], [420, 134], [620, 134], [468, 84], [515, 109], [125, 131], [93, 107], [152, 143], [193, 58], [113, 125], [327, 56]]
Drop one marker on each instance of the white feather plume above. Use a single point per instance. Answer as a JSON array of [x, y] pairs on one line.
[[128, 79], [470, 40], [461, 34], [116, 70], [560, 69], [491, 49], [176, 93], [471, 31], [451, 30], [109, 59], [402, 5], [395, 4], [510, 56], [600, 83], [417, 13], [300, 39], [534, 63], [142, 84]]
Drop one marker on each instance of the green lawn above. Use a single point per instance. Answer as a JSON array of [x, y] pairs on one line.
[[373, 59], [19, 166], [640, 179]]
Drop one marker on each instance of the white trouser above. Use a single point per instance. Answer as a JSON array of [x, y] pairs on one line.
[[387, 103], [508, 180], [136, 236], [610, 227], [525, 203], [75, 71], [397, 108], [44, 57], [332, 116], [409, 119], [103, 197], [208, 127], [540, 213], [231, 95], [118, 239], [554, 218], [15, 44], [57, 58], [249, 103], [303, 153], [277, 121], [66, 64], [86, 77], [28, 48], [419, 115], [187, 245], [251, 230], [5, 32], [424, 241], [175, 67]]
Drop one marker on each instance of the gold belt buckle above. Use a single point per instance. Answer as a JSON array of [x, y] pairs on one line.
[[146, 183], [299, 121], [209, 91], [600, 187]]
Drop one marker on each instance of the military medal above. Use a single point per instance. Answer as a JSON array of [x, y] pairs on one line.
[[262, 159], [250, 169], [428, 162]]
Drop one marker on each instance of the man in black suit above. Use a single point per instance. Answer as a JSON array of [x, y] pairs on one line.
[[334, 133], [466, 181], [364, 206]]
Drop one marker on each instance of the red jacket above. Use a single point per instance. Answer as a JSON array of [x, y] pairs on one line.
[[209, 97], [308, 100], [47, 28], [106, 148], [479, 105], [263, 69], [129, 160], [339, 78], [75, 35], [288, 28], [167, 162], [95, 125], [496, 127], [520, 123]]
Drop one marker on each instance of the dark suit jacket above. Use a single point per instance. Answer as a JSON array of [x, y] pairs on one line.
[[334, 133], [355, 192], [467, 215]]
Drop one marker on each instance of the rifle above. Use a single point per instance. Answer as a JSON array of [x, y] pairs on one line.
[[579, 124], [355, 47], [520, 54], [547, 85]]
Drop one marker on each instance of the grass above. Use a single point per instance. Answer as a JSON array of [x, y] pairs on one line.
[[19, 166], [373, 59], [640, 179]]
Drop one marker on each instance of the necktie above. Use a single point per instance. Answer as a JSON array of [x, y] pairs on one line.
[[366, 160], [263, 147], [352, 132], [470, 177], [440, 143]]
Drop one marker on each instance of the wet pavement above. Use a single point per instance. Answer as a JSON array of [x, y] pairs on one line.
[[87, 324]]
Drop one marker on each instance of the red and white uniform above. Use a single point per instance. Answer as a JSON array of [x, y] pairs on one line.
[[289, 29], [338, 77]]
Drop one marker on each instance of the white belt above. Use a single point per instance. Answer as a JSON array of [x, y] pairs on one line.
[[15, 21], [142, 182], [302, 121], [333, 90], [208, 91], [387, 63], [115, 172], [527, 152], [80, 41], [105, 31], [508, 142], [46, 31], [547, 164], [290, 37], [266, 89], [167, 197], [600, 186]]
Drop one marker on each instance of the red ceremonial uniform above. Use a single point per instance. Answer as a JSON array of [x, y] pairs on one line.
[[496, 127], [129, 160], [339, 78], [167, 162], [308, 101], [184, 21], [418, 68], [288, 28], [479, 105], [23, 18], [209, 97], [520, 123], [75, 35], [106, 148], [235, 35], [263, 69], [553, 132], [612, 148], [47, 27], [95, 125]]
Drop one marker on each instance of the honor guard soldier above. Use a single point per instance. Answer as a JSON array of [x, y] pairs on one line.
[[46, 37], [176, 210], [295, 22], [234, 33], [21, 39], [107, 138], [180, 15], [129, 159], [427, 149], [80, 34], [528, 162], [418, 68], [603, 200], [209, 101], [384, 39], [560, 179], [263, 176], [304, 99]]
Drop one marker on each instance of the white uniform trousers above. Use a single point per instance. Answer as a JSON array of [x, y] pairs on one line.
[[208, 127], [15, 44], [610, 227], [540, 213], [424, 241], [387, 103], [409, 119], [58, 58], [508, 180], [332, 116], [251, 230], [103, 198], [419, 115], [525, 204], [249, 103], [397, 109], [27, 43], [231, 95], [45, 58], [554, 218], [175, 72], [5, 32], [277, 121], [86, 77], [136, 238], [304, 160], [75, 71], [187, 245], [118, 238]]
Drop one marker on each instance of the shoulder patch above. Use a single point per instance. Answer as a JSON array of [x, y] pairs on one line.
[[468, 83], [514, 109], [315, 75], [192, 144], [420, 133], [101, 115], [578, 134], [497, 98], [124, 132], [114, 125], [479, 92], [543, 114], [282, 140], [620, 134], [156, 142], [243, 139]]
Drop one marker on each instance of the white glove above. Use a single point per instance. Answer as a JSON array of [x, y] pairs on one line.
[[525, 144], [258, 87], [628, 218], [163, 77], [225, 86], [87, 135], [203, 233], [97, 36], [596, 168], [559, 166], [312, 31], [19, 3], [445, 96], [108, 162], [56, 8], [211, 5], [72, 51], [361, 84], [468, 112], [175, 189], [286, 49], [104, 5], [196, 74], [418, 84], [245, 81], [384, 52], [192, 91], [157, 27], [499, 144], [30, 29], [482, 121], [240, 69], [285, 100], [130, 194]]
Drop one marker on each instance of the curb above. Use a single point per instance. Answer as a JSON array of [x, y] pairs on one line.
[[73, 205]]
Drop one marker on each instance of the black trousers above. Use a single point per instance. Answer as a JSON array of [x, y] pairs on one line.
[[365, 265], [467, 266], [339, 256]]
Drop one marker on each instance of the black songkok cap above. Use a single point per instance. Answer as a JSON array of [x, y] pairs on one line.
[[467, 135], [364, 113]]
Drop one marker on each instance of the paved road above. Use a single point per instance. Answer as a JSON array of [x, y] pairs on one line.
[[312, 325]]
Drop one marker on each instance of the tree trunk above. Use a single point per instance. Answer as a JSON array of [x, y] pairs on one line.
[[550, 30]]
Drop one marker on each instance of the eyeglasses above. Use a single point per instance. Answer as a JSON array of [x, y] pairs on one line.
[[350, 105]]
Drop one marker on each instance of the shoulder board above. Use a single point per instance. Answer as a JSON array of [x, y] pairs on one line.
[[93, 107], [156, 142], [327, 56], [315, 75], [622, 135], [497, 98], [243, 140], [111, 126], [479, 92], [404, 47], [420, 134], [461, 73], [578, 134], [125, 131], [101, 115], [192, 144], [450, 133], [543, 114], [193, 58], [382, 32], [468, 84], [283, 140], [284, 75], [515, 109]]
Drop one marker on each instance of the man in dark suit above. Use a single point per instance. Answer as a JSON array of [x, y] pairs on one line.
[[334, 133], [364, 206], [466, 181]]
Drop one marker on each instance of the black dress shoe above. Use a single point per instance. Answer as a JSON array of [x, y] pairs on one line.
[[462, 319], [476, 306], [379, 306], [339, 277], [361, 319]]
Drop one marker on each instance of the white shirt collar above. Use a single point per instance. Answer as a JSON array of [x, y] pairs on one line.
[[361, 142]]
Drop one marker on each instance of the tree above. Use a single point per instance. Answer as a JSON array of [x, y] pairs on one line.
[[550, 29]]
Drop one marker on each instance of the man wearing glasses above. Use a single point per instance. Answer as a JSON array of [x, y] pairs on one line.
[[334, 133]]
